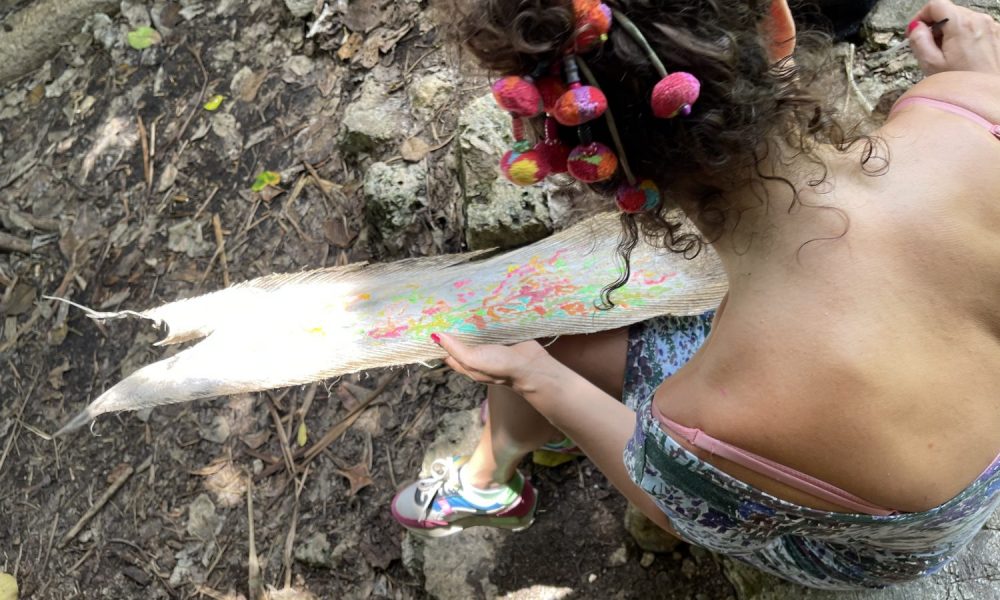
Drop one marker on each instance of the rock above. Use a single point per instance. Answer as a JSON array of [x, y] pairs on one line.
[[971, 575], [187, 237], [430, 92], [375, 118], [512, 216], [296, 68], [137, 14], [647, 560], [314, 552], [647, 534], [228, 129], [498, 213], [895, 15], [394, 194], [203, 523], [300, 8], [619, 558]]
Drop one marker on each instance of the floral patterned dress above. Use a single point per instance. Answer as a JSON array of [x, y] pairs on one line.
[[836, 551]]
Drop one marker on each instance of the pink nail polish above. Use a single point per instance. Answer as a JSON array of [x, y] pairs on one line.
[[913, 25], [436, 339]]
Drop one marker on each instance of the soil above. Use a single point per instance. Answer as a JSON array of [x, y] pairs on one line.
[[115, 172]]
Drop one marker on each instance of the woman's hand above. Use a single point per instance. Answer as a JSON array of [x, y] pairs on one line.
[[520, 366], [969, 41]]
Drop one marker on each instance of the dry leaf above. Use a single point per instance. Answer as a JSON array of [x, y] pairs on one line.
[[256, 440], [359, 477], [351, 46], [56, 375], [336, 233], [414, 149]]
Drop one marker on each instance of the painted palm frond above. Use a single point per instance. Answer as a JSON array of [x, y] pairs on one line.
[[283, 330]]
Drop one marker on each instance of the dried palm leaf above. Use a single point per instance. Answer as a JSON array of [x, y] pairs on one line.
[[284, 330]]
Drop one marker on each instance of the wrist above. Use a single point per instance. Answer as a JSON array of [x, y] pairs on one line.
[[543, 378]]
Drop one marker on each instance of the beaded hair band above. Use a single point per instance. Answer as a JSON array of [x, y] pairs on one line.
[[567, 101]]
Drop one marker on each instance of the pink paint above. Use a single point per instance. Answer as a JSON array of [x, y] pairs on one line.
[[461, 284]]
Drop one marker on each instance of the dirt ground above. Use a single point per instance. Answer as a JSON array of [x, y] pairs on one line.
[[123, 183]]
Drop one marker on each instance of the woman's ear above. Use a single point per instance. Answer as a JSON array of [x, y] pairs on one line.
[[778, 31]]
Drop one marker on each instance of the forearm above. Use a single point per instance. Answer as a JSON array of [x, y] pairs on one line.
[[599, 424]]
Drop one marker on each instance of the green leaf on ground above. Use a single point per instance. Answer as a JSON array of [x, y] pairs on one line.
[[143, 38], [214, 103], [303, 436], [265, 180]]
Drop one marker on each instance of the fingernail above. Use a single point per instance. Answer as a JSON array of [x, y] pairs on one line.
[[913, 25], [436, 339]]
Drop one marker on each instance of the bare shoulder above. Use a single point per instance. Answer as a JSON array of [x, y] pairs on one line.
[[978, 92]]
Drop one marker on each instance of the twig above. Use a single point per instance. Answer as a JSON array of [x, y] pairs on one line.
[[220, 243], [10, 243], [115, 486], [290, 538], [849, 64], [144, 142], [201, 98], [17, 423], [286, 451], [306, 404], [337, 430], [254, 583], [40, 223]]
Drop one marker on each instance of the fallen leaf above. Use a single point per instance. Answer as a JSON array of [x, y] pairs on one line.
[[351, 46], [358, 476], [56, 375], [143, 38], [302, 438], [215, 102], [337, 234], [256, 440], [266, 179], [414, 149]]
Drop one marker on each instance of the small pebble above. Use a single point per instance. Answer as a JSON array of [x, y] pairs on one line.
[[592, 578], [688, 568], [619, 558], [647, 560]]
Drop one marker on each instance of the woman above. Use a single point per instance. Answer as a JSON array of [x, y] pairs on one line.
[[839, 426]]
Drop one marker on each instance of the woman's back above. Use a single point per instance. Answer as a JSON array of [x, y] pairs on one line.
[[869, 360]]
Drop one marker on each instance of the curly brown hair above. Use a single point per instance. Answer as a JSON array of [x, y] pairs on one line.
[[747, 102]]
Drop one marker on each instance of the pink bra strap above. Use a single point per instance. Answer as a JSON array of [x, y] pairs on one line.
[[993, 128], [769, 468]]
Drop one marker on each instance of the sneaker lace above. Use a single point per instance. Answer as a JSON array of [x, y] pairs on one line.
[[443, 477]]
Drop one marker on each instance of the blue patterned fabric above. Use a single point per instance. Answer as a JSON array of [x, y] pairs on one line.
[[820, 549]]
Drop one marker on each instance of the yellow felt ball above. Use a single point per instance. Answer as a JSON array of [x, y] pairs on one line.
[[8, 587]]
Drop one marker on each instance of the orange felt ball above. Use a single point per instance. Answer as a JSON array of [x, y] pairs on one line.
[[518, 96]]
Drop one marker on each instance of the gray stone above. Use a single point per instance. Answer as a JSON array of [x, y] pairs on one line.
[[648, 535], [228, 129], [895, 15], [314, 551], [300, 8], [974, 574], [374, 119], [431, 92], [203, 523], [394, 194], [498, 213], [619, 558], [511, 216]]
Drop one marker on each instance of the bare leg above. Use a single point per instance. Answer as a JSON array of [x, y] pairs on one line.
[[514, 428]]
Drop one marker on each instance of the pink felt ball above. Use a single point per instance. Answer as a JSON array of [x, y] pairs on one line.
[[592, 163], [593, 22], [525, 168], [675, 95], [518, 96], [580, 105], [551, 89], [556, 155], [632, 199]]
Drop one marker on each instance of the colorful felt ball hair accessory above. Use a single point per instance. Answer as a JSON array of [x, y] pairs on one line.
[[567, 101], [676, 93]]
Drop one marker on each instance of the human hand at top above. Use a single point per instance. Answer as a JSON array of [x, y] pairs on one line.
[[519, 366], [969, 41]]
